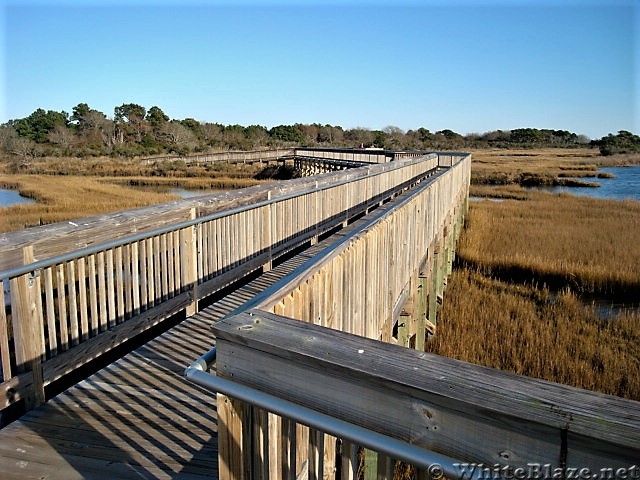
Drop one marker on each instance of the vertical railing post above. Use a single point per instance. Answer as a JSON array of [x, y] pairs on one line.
[[5, 355], [234, 437], [451, 243], [189, 262], [422, 308], [28, 329], [434, 281], [267, 233]]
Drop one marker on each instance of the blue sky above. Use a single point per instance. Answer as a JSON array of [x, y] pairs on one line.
[[470, 66]]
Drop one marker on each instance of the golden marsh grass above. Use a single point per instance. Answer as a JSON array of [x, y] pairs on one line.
[[61, 198], [516, 300], [534, 332], [67, 189], [543, 166], [587, 244]]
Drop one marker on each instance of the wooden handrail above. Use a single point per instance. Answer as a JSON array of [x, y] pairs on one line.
[[476, 414], [64, 237], [381, 281], [87, 288]]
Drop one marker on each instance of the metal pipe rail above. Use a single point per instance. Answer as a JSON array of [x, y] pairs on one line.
[[434, 463], [403, 403], [351, 286]]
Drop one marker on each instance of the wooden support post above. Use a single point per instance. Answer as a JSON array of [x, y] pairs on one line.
[[442, 258], [403, 329], [267, 234], [274, 425], [421, 310], [189, 262], [288, 449], [434, 282], [330, 456], [456, 236], [234, 458], [410, 308], [28, 328], [450, 242], [385, 467], [4, 338], [349, 460], [260, 464], [301, 453], [316, 457]]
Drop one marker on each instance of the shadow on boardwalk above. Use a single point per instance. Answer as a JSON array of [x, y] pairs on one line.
[[137, 418]]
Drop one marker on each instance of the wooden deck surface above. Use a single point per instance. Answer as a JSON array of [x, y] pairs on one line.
[[138, 417]]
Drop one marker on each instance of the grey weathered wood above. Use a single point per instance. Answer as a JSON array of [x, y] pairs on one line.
[[144, 273], [74, 328], [385, 468], [118, 283], [421, 311], [62, 308], [434, 284], [466, 411], [70, 360], [189, 262], [82, 293], [93, 296], [50, 311], [4, 340], [28, 330], [135, 277], [111, 286], [119, 274], [230, 439], [102, 292]]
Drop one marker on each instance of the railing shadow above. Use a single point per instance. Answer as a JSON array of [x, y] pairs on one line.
[[138, 418]]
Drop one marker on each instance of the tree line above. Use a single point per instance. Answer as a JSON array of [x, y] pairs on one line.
[[135, 131]]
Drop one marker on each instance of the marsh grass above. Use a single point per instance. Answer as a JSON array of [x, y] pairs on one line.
[[559, 240], [535, 332], [122, 167], [544, 167], [515, 301], [61, 198], [191, 183], [71, 188]]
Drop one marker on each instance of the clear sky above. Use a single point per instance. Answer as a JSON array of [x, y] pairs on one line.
[[470, 66]]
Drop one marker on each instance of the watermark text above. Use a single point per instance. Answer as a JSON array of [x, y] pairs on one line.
[[533, 471]]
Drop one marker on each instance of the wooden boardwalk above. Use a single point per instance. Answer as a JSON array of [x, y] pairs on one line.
[[138, 417]]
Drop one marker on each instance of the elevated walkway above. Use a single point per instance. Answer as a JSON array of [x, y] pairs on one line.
[[139, 417]]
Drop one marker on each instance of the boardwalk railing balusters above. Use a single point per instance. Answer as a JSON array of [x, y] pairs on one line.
[[68, 305], [365, 251], [383, 282]]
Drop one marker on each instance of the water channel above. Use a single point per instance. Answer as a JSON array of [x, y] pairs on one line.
[[12, 197]]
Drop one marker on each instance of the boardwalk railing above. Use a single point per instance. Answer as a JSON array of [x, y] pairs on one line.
[[307, 396], [356, 155], [75, 291], [265, 156], [256, 156], [444, 416], [382, 281]]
